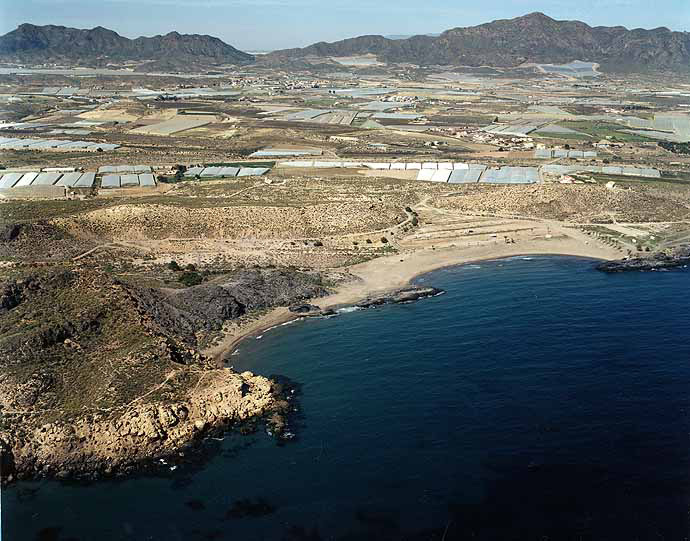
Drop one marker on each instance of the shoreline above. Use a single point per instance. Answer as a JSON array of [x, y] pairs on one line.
[[390, 273]]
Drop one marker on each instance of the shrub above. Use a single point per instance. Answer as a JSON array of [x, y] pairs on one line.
[[318, 243], [384, 240], [173, 266], [189, 278]]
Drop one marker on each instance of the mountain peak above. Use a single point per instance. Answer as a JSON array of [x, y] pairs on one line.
[[537, 16]]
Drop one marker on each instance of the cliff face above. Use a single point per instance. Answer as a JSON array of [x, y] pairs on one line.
[[99, 46], [509, 43]]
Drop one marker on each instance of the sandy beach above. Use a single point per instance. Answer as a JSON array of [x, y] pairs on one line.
[[388, 273]]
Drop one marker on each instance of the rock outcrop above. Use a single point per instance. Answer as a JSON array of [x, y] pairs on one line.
[[659, 261], [120, 442], [99, 376], [205, 307], [408, 294]]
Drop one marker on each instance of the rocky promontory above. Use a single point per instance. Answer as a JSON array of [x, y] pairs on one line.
[[101, 377], [407, 294], [119, 442], [658, 261]]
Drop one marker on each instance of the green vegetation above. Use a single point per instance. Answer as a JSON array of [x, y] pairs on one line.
[[178, 177], [190, 278], [676, 148]]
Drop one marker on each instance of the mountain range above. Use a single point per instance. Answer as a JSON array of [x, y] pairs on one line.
[[533, 38], [99, 46]]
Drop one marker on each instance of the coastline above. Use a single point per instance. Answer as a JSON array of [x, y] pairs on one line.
[[389, 273]]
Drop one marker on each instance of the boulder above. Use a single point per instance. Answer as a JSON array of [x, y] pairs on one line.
[[304, 308]]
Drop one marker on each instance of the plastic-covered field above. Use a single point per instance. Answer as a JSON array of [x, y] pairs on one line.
[[511, 175]]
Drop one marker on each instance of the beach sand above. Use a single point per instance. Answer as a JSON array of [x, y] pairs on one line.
[[388, 273]]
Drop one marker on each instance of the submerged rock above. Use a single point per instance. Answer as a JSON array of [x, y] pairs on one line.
[[247, 508]]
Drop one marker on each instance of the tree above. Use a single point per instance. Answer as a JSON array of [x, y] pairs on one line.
[[189, 278]]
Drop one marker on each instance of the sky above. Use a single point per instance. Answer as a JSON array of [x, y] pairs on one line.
[[256, 25]]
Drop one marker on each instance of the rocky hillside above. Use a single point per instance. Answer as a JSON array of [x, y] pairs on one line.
[[100, 46], [98, 376], [512, 42]]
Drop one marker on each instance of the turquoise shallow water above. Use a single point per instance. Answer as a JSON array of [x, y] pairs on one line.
[[536, 399]]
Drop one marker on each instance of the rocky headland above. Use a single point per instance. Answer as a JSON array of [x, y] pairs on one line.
[[101, 377], [658, 261]]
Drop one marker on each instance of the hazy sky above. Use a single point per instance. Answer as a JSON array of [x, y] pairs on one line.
[[272, 24]]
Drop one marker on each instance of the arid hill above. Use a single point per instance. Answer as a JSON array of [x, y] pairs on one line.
[[512, 42], [100, 46]]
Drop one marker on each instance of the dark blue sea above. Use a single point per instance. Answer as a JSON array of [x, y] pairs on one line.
[[538, 399]]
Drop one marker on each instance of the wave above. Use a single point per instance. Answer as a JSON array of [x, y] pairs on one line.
[[348, 309]]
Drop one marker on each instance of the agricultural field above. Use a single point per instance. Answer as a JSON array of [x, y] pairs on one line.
[[592, 131], [178, 123]]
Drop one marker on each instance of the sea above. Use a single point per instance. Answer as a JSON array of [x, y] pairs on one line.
[[537, 399]]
